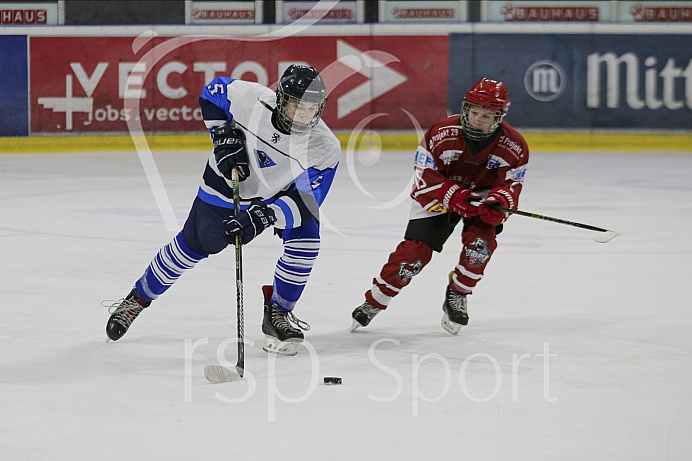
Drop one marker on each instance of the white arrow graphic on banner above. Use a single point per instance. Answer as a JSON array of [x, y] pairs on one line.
[[371, 64]]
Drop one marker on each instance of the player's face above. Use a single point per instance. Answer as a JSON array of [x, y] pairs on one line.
[[301, 112], [481, 119]]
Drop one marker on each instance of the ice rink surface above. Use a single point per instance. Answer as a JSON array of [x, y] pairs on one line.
[[575, 350]]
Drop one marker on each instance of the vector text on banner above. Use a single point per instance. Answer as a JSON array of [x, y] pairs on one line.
[[79, 84]]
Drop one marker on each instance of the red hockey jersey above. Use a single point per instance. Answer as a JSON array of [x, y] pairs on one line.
[[444, 155]]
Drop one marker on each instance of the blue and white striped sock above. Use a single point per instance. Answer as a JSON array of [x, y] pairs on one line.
[[168, 265], [293, 270]]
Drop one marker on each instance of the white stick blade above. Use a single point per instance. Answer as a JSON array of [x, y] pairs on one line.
[[605, 237], [219, 374]]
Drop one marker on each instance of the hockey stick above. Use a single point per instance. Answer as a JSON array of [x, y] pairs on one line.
[[604, 236], [218, 373]]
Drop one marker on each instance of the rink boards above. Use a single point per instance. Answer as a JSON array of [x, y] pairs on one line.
[[572, 86]]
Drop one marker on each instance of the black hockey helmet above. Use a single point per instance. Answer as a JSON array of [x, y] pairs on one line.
[[300, 98]]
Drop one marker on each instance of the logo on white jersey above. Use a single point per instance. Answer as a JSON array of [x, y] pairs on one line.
[[263, 159], [276, 137]]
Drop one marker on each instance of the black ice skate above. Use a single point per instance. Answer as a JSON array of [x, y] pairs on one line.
[[126, 311], [455, 313], [280, 336], [363, 314]]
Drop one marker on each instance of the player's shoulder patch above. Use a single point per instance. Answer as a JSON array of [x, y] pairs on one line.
[[516, 174], [423, 159], [217, 86]]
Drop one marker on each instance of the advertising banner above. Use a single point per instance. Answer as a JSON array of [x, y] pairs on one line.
[[638, 11], [28, 14], [581, 81], [423, 11], [14, 110], [109, 84], [344, 12], [547, 11], [223, 13]]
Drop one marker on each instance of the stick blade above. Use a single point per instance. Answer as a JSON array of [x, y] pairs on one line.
[[218, 374], [605, 237]]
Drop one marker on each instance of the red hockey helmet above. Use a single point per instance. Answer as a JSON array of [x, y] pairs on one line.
[[488, 98]]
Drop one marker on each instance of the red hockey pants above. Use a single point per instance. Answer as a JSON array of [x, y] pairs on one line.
[[412, 255]]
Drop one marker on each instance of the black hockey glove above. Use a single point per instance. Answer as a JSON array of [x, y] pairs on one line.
[[230, 151], [249, 223]]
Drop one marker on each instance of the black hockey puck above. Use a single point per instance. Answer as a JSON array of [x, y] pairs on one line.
[[332, 380]]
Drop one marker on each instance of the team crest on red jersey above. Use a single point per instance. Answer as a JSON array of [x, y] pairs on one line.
[[450, 156]]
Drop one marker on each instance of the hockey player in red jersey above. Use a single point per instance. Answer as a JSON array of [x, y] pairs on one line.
[[464, 166]]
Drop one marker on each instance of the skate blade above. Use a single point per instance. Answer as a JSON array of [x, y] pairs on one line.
[[219, 374], [449, 326], [275, 346], [355, 325]]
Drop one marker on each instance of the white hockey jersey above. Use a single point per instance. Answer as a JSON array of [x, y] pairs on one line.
[[279, 163]]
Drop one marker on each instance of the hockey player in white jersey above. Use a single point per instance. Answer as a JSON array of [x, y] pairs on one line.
[[286, 157]]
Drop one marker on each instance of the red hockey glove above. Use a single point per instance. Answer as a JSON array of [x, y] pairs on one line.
[[456, 199], [498, 196]]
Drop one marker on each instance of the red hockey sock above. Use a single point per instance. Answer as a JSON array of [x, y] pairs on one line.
[[409, 258]]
